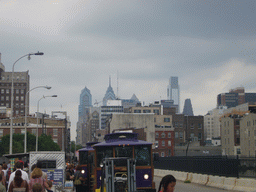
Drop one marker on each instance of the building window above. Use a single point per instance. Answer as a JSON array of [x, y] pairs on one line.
[[17, 112], [17, 98], [22, 98], [34, 131], [55, 132], [166, 119], [238, 151], [199, 125], [157, 135], [1, 132], [137, 111], [23, 131], [2, 98], [22, 91], [169, 143], [7, 98], [169, 135], [55, 140], [175, 124], [7, 105], [2, 91], [181, 135], [147, 111], [199, 136], [162, 154], [17, 91], [156, 111], [176, 135], [238, 132], [163, 135], [163, 143], [7, 91], [192, 126]]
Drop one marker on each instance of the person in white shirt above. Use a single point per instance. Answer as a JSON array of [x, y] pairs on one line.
[[24, 174]]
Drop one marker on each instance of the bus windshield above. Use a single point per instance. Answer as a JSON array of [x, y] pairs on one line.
[[142, 155], [103, 152]]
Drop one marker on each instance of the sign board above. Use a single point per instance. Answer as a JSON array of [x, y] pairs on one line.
[[55, 175]]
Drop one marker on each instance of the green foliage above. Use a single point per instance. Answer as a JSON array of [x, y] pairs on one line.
[[73, 147], [45, 143]]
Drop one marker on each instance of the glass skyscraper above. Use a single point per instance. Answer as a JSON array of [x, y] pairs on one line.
[[173, 91]]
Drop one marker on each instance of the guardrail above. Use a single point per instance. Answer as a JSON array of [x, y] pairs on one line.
[[228, 183]]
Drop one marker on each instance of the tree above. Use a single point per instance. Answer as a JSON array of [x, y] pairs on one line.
[[45, 143], [75, 147]]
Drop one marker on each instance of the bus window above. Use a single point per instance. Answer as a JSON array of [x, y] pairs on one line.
[[103, 152], [83, 157], [123, 152], [142, 155]]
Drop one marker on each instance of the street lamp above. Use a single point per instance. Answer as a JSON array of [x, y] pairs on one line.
[[26, 112], [37, 118], [11, 115]]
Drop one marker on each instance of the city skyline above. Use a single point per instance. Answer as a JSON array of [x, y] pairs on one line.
[[209, 45]]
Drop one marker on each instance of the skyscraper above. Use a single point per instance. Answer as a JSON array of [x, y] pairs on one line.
[[110, 95], [173, 92], [83, 114], [188, 110]]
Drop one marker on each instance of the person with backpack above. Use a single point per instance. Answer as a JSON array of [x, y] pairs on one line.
[[6, 175]]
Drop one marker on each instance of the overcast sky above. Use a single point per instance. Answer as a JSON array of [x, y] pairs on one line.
[[208, 44]]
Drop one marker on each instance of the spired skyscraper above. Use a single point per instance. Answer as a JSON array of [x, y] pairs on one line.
[[110, 95], [83, 110], [173, 92]]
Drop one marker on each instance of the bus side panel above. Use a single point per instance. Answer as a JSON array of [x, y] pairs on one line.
[[98, 178], [140, 181]]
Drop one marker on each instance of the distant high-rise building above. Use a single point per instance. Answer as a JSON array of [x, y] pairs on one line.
[[83, 110], [110, 95], [235, 97], [173, 92], [134, 101], [188, 110]]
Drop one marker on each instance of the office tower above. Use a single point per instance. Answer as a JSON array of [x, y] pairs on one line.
[[83, 113], [110, 95], [173, 92], [21, 86], [235, 97], [188, 110]]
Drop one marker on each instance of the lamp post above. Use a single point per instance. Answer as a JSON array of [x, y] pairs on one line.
[[37, 118], [11, 115], [26, 113]]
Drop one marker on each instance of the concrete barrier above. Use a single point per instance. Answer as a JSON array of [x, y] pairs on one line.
[[229, 183], [203, 179], [190, 176], [216, 181], [245, 185], [196, 178]]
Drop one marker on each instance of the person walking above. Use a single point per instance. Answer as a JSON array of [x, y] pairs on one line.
[[24, 175], [78, 179], [2, 187], [18, 184], [167, 184], [37, 178]]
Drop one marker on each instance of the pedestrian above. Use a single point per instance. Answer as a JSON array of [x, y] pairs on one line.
[[40, 165], [24, 175], [167, 184], [6, 175], [2, 187], [78, 179], [37, 178], [37, 187], [2, 173], [18, 184], [50, 186]]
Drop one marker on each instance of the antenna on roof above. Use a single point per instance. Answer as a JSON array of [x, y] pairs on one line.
[[117, 86]]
